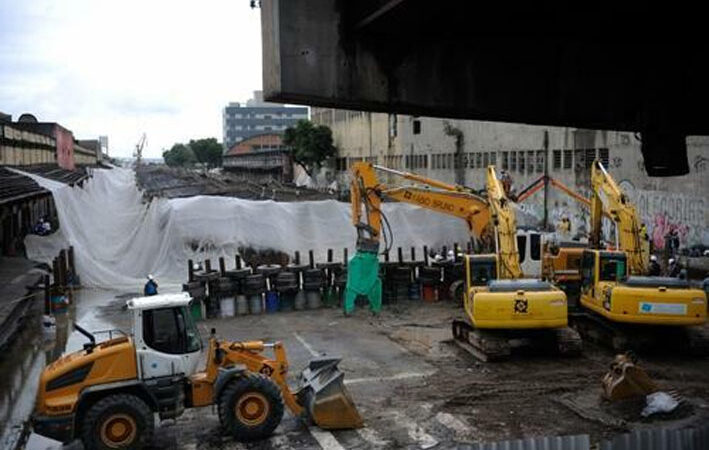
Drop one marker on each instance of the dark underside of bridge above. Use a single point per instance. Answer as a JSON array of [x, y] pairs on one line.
[[613, 65]]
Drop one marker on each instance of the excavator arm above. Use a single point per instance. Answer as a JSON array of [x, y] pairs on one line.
[[505, 224], [367, 193], [605, 192]]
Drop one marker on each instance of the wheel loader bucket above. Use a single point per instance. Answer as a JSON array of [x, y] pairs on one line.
[[325, 398], [626, 380]]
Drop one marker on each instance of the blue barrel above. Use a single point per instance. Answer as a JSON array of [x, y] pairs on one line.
[[271, 301], [414, 291]]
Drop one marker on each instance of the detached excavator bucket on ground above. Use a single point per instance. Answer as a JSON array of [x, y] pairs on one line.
[[325, 398], [625, 379]]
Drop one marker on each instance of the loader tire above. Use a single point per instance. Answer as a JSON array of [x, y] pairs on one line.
[[118, 421], [250, 408]]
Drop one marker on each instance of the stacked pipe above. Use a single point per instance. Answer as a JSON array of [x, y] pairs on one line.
[[269, 272], [254, 289], [210, 278], [297, 268], [197, 289], [329, 271], [430, 279], [402, 278], [387, 271], [340, 281], [415, 286], [313, 279], [454, 274], [237, 277]]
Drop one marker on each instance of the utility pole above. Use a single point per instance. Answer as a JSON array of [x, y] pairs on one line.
[[546, 179]]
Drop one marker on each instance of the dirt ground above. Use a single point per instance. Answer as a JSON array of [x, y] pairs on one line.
[[417, 389]]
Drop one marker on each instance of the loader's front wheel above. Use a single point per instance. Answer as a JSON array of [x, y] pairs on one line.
[[250, 407], [118, 421]]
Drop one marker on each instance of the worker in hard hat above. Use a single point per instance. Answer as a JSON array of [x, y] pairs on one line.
[[673, 268], [654, 267], [151, 287]]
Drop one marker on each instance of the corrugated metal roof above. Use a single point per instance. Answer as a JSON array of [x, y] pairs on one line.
[[661, 439], [578, 442]]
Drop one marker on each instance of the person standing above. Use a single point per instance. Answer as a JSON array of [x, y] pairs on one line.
[[673, 268], [151, 287], [654, 266]]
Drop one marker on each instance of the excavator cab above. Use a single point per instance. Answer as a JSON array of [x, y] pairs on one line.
[[480, 269]]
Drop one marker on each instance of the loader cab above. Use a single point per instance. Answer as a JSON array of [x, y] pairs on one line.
[[529, 247], [166, 338]]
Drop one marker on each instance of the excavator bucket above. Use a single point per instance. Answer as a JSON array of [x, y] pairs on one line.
[[626, 380], [325, 398]]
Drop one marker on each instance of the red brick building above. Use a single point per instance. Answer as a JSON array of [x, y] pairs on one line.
[[261, 157]]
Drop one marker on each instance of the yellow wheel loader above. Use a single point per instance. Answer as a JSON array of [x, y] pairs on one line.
[[108, 393]]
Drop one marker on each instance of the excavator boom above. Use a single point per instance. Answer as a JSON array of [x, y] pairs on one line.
[[622, 212], [505, 224], [367, 193]]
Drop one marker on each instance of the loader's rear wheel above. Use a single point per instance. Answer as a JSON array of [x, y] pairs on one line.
[[250, 407], [118, 421]]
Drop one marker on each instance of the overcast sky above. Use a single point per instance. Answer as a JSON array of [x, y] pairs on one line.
[[121, 68]]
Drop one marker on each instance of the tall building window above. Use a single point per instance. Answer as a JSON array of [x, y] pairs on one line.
[[513, 161], [540, 161], [589, 156], [505, 161], [603, 156], [556, 164], [478, 160], [578, 160], [493, 158], [417, 127], [392, 126], [568, 159], [486, 159], [530, 161], [471, 160], [425, 161], [521, 162]]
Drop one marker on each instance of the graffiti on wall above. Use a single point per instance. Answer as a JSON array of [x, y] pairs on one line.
[[663, 212]]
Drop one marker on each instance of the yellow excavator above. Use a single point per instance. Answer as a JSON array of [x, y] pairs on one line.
[[502, 307], [629, 308], [107, 393]]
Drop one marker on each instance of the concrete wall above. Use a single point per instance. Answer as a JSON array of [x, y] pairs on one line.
[[84, 156], [663, 203], [23, 148]]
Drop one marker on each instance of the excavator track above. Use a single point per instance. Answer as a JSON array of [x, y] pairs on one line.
[[484, 345], [698, 340], [568, 341], [489, 345], [691, 340]]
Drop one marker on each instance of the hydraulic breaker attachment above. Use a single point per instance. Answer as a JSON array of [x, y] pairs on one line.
[[325, 398], [626, 380]]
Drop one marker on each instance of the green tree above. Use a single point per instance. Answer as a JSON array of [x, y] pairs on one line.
[[179, 155], [310, 144], [207, 151]]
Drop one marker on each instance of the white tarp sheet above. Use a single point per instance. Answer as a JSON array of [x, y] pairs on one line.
[[118, 239]]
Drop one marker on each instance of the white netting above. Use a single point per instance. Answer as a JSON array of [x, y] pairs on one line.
[[118, 239]]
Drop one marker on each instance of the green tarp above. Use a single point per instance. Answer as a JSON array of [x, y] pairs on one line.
[[363, 279]]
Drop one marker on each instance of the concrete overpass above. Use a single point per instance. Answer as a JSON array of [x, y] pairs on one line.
[[611, 65]]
